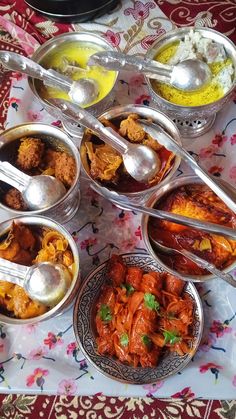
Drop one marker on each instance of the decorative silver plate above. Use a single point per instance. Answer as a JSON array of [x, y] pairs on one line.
[[85, 332]]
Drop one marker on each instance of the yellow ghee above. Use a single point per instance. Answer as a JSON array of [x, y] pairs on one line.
[[79, 53], [207, 94]]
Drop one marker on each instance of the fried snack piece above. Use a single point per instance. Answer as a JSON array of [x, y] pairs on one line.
[[22, 306], [18, 245], [30, 153], [65, 168], [132, 129], [105, 161], [14, 199], [49, 158]]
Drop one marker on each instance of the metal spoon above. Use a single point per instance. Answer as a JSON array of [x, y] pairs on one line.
[[45, 282], [224, 193], [140, 161], [124, 203], [199, 261], [191, 74], [82, 91], [38, 192]]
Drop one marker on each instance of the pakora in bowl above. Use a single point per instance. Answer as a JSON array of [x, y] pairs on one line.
[[27, 241], [104, 165], [188, 196]]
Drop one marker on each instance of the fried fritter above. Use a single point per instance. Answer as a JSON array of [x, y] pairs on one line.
[[65, 168], [14, 200], [30, 153]]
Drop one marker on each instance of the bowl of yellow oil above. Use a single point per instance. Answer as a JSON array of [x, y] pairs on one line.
[[194, 112], [69, 54]]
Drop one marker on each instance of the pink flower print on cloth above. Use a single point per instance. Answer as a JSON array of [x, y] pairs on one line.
[[207, 152], [37, 378], [67, 387], [152, 388], [53, 340], [185, 394], [34, 116], [113, 38], [232, 173], [140, 10], [37, 353], [233, 139], [219, 139], [220, 328], [213, 368]]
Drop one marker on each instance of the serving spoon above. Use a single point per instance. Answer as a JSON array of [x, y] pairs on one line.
[[227, 194], [38, 192], [44, 282], [124, 203], [140, 161], [199, 261], [189, 75], [82, 91]]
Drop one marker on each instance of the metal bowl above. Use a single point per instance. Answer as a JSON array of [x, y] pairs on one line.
[[66, 207], [145, 112], [154, 199], [85, 331], [54, 43], [192, 120], [66, 302]]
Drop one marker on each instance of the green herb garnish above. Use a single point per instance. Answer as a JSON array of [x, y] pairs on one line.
[[124, 339], [129, 288], [150, 301], [105, 313], [171, 337], [146, 340]]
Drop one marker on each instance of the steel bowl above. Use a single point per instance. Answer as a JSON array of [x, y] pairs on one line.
[[153, 200], [68, 299], [85, 329], [192, 120], [66, 207], [54, 43], [145, 112]]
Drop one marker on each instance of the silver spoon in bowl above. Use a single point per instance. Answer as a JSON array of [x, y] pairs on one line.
[[199, 261], [225, 193], [82, 91], [38, 192], [44, 282], [189, 75], [140, 161]]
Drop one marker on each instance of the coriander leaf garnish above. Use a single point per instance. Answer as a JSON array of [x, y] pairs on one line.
[[129, 288], [150, 301], [124, 339], [146, 340], [171, 337], [105, 313]]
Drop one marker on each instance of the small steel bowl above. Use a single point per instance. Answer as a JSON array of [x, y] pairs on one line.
[[44, 51], [67, 300], [85, 329], [66, 207], [145, 112], [153, 200], [192, 120]]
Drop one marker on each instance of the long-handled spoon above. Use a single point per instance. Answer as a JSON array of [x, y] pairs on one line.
[[38, 192], [224, 193], [191, 74], [124, 203], [199, 261], [82, 91], [140, 161], [45, 282]]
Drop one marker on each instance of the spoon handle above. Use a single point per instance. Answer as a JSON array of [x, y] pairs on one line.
[[13, 176], [13, 272], [209, 266], [124, 203], [77, 114], [17, 62], [118, 61]]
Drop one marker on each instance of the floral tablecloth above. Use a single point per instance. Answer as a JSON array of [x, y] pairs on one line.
[[45, 358]]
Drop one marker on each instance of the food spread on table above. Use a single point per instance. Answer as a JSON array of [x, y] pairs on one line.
[[28, 245], [35, 157], [141, 315], [199, 202], [194, 45], [105, 165]]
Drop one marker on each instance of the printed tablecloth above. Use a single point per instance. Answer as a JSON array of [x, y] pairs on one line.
[[45, 358]]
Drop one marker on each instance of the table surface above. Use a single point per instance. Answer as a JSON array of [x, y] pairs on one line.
[[47, 352]]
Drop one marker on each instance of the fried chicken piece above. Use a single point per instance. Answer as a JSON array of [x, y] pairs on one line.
[[65, 168], [30, 153], [14, 199], [132, 129]]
